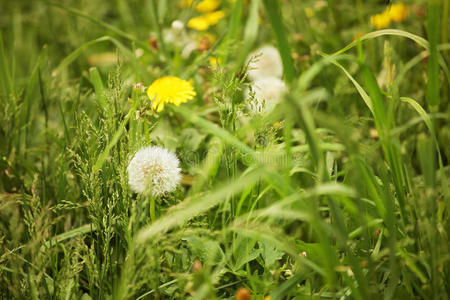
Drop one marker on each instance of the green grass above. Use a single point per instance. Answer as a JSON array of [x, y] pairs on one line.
[[339, 192]]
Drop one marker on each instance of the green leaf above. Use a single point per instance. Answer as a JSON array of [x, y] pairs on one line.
[[97, 82], [427, 159], [77, 52], [274, 14], [269, 253], [433, 19], [207, 250], [244, 251]]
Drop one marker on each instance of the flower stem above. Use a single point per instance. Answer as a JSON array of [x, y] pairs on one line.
[[152, 209]]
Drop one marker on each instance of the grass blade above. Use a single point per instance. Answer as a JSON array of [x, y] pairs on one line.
[[433, 18], [274, 14]]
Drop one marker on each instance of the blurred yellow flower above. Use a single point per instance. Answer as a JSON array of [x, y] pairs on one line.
[[398, 12], [198, 23], [169, 89], [380, 21], [201, 6], [309, 12], [214, 62], [207, 5], [203, 22]]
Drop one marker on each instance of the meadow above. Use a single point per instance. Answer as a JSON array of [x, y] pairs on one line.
[[224, 149]]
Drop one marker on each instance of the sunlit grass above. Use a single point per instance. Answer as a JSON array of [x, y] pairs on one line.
[[313, 150]]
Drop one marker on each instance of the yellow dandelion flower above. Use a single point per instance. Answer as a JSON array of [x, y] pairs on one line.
[[203, 22], [380, 21], [198, 23], [398, 12], [214, 17], [201, 6], [169, 89], [207, 5]]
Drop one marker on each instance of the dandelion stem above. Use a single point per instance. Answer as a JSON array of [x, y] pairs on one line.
[[152, 209]]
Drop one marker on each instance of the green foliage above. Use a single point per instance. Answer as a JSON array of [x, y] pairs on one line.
[[339, 192]]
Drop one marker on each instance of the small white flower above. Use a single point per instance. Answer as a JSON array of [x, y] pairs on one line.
[[176, 34], [154, 170], [140, 86], [177, 25], [269, 91], [139, 52], [265, 62]]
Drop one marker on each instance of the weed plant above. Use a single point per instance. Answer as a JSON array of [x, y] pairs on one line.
[[339, 191]]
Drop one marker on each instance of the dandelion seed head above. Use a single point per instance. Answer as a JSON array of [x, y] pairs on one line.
[[154, 170], [268, 91], [139, 52], [265, 62], [177, 25]]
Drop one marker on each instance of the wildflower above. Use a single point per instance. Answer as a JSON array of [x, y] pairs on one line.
[[203, 22], [139, 52], [197, 266], [198, 23], [140, 87], [204, 44], [267, 92], [176, 34], [243, 294], [201, 6], [214, 62], [398, 12], [177, 25], [153, 43], [267, 63], [205, 41], [154, 170], [380, 21], [169, 89]]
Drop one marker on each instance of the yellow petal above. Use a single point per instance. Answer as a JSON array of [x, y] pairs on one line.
[[201, 6], [207, 5], [169, 89], [380, 21], [214, 17], [198, 23], [398, 12]]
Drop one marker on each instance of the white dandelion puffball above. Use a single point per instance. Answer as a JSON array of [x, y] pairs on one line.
[[265, 62], [154, 170], [269, 91]]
